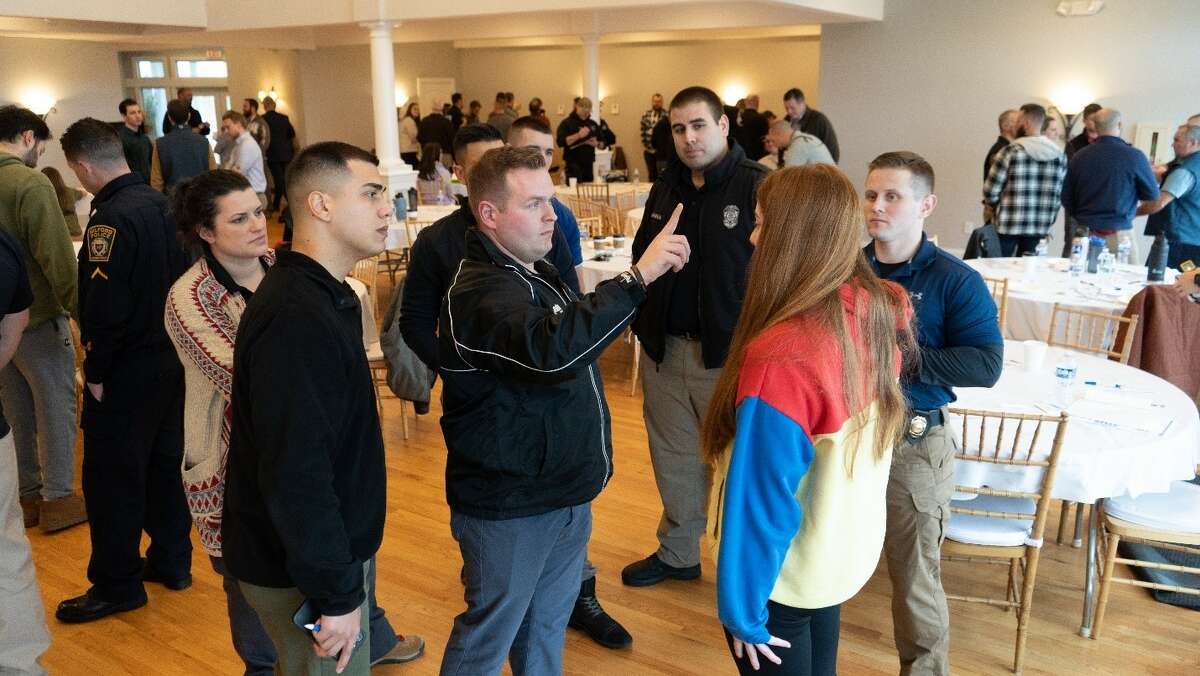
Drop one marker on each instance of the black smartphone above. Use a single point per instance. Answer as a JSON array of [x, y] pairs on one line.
[[307, 613]]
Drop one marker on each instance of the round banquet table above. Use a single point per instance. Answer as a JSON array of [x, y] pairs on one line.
[[591, 272], [640, 191], [426, 214], [1129, 433], [1034, 288]]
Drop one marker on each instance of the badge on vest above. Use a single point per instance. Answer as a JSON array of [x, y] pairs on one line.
[[731, 216], [100, 243]]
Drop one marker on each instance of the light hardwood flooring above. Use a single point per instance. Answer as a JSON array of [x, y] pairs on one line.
[[673, 624]]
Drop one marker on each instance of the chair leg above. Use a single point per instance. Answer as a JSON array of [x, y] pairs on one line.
[[1063, 517], [1110, 557], [1011, 593], [404, 419], [1032, 554], [633, 374], [1077, 540]]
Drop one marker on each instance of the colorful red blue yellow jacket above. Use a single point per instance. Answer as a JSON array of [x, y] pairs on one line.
[[792, 525]]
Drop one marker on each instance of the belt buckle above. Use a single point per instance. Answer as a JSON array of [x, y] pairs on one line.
[[917, 426]]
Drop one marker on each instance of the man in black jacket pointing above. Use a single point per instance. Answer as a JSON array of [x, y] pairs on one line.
[[525, 420]]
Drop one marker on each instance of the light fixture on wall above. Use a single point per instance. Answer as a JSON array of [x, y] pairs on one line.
[[401, 96], [39, 100], [733, 91], [1070, 98], [264, 93]]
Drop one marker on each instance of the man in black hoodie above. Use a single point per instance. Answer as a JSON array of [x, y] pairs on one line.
[[527, 428], [687, 322]]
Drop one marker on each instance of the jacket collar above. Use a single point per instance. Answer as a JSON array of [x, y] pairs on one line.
[[116, 185], [339, 291], [925, 255], [222, 275], [680, 176], [480, 247]]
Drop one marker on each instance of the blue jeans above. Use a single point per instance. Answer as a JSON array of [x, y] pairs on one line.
[[523, 577], [250, 640]]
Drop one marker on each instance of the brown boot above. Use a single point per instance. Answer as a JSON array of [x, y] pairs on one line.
[[62, 513], [29, 509]]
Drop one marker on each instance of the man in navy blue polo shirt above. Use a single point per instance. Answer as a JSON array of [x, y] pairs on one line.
[[960, 346]]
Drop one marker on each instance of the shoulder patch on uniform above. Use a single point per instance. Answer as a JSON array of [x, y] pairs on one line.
[[100, 243]]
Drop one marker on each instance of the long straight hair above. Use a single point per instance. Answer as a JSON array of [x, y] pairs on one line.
[[808, 247]]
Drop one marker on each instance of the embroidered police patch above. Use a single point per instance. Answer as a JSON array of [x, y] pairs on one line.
[[100, 243], [731, 216]]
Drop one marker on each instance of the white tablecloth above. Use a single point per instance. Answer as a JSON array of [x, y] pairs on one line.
[[591, 272], [1033, 291], [640, 191], [397, 237], [370, 329], [1132, 440]]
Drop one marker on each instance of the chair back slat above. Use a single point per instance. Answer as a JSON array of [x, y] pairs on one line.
[[999, 289], [1099, 333], [594, 192]]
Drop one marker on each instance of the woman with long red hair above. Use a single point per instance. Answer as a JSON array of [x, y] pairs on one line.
[[801, 426]]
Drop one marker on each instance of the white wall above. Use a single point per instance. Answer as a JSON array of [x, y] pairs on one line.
[[934, 74]]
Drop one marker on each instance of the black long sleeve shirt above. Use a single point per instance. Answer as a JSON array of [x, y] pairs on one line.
[[306, 481], [434, 258]]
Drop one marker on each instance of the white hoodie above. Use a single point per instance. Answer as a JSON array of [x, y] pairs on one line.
[[1039, 148]]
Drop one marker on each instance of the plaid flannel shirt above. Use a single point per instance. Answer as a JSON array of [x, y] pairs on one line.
[[1024, 191], [649, 119]]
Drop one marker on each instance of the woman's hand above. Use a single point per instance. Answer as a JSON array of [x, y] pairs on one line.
[[752, 650]]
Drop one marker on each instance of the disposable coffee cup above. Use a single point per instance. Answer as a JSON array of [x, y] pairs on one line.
[[1035, 355], [572, 181]]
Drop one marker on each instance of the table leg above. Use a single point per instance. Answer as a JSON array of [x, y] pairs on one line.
[[1089, 583]]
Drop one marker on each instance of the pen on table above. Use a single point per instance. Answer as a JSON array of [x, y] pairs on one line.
[[314, 628]]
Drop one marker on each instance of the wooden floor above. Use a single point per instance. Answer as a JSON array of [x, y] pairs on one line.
[[673, 624]]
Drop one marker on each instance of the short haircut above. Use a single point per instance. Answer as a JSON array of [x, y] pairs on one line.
[[178, 111], [1191, 133], [253, 104], [193, 203], [656, 95], [268, 101], [320, 164], [919, 167], [794, 94], [1004, 116], [1035, 113], [123, 106], [93, 141], [474, 133], [456, 97], [584, 102], [780, 125], [501, 97], [181, 90], [475, 104], [1106, 120], [510, 97], [15, 120], [488, 180], [698, 94], [234, 117], [528, 122], [1091, 109]]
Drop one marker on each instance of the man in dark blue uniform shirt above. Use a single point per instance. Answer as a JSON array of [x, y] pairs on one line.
[[960, 346], [133, 399]]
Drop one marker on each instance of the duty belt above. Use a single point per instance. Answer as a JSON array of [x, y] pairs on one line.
[[922, 421]]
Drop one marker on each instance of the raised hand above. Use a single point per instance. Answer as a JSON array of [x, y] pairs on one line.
[[667, 251]]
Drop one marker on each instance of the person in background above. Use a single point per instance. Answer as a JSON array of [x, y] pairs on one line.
[[786, 436], [797, 148], [525, 420], [650, 118], [537, 111], [959, 341], [433, 179], [501, 117], [137, 146], [456, 111], [67, 197], [193, 119], [1024, 185], [664, 144], [1176, 210], [222, 220], [1010, 128], [281, 150], [305, 495], [510, 105], [1052, 129], [810, 120], [180, 154], [473, 112], [37, 386], [1088, 135], [132, 418], [256, 125], [1106, 181], [435, 128], [246, 154], [579, 136], [25, 638], [688, 319], [752, 128], [410, 147]]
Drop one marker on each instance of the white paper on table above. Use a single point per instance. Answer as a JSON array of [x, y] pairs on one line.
[[1102, 413]]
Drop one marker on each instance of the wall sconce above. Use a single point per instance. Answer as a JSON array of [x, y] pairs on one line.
[[401, 96], [40, 101], [1070, 99], [262, 94]]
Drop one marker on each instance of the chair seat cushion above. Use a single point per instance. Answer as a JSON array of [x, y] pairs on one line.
[[1177, 510], [986, 530]]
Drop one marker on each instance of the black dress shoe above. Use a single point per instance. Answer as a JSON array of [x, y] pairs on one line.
[[420, 407], [590, 618], [651, 570], [87, 608], [174, 584]]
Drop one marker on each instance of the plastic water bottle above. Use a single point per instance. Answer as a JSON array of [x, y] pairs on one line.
[[1064, 375], [399, 206], [1124, 248], [1043, 249], [1107, 263], [637, 176], [1093, 254], [1078, 255]]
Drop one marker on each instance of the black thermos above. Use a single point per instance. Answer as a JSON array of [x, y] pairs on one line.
[[1156, 264]]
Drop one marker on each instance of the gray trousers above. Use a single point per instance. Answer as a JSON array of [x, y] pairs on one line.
[[918, 510], [23, 635], [293, 645], [676, 396], [37, 389], [522, 581]]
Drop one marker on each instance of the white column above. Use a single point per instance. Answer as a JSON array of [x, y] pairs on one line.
[[591, 72], [400, 176]]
